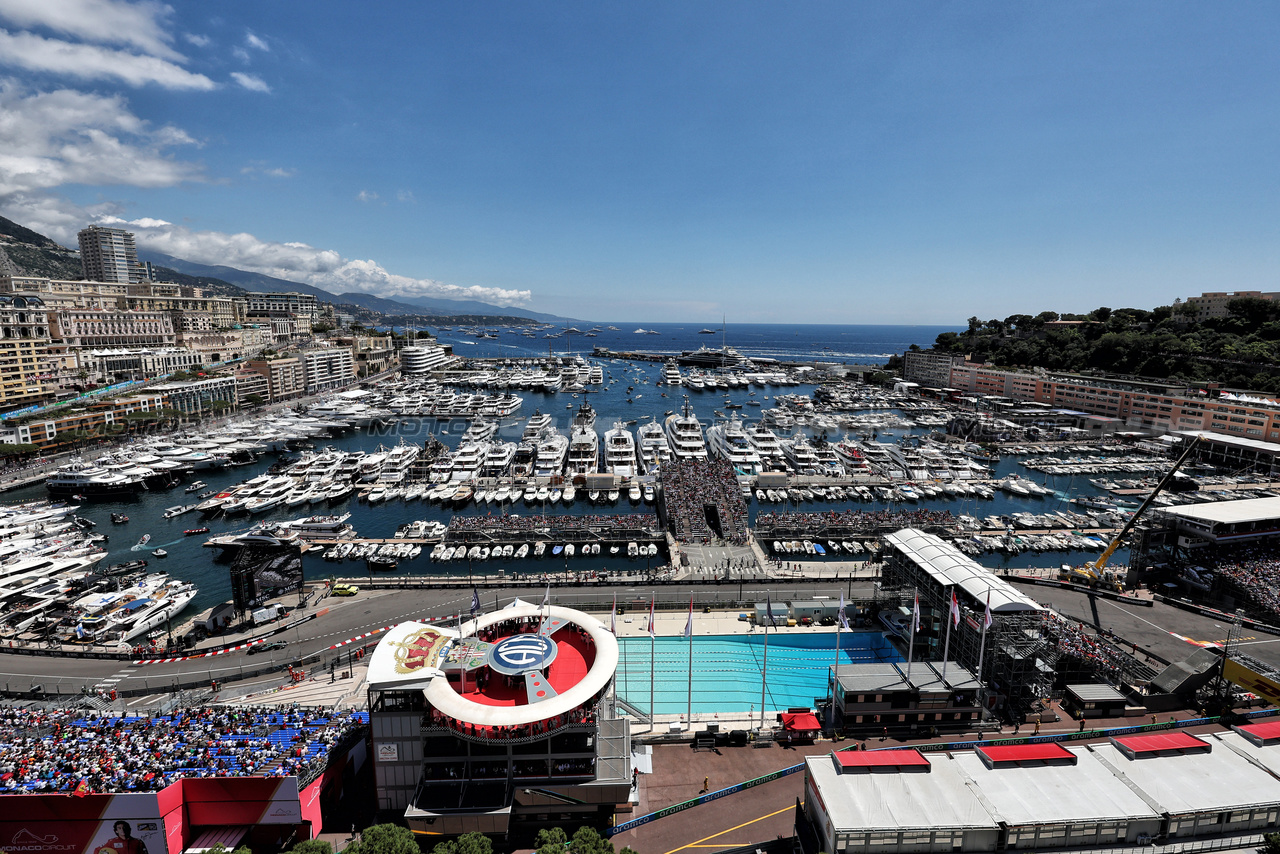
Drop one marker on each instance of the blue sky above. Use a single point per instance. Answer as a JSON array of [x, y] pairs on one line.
[[799, 162]]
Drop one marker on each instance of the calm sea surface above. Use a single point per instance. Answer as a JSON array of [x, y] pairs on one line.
[[856, 344]]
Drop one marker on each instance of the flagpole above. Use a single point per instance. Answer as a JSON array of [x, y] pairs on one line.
[[688, 630], [764, 668], [460, 659], [911, 644], [946, 646], [982, 643], [835, 665], [653, 662]]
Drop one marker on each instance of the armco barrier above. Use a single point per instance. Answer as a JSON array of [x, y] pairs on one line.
[[1080, 588], [1214, 613]]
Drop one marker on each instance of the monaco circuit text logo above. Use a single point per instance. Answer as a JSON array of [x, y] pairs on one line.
[[25, 840]]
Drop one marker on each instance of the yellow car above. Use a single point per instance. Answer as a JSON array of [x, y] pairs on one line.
[[345, 590]]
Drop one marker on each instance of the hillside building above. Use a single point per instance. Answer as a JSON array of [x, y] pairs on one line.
[[109, 255], [24, 351], [286, 377], [326, 369], [266, 304]]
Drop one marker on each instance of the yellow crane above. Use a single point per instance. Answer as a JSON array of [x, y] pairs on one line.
[[1095, 573]]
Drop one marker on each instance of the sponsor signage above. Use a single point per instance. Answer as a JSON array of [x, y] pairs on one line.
[[388, 752]]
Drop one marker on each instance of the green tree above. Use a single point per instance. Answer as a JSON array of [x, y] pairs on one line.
[[1271, 844], [245, 849], [254, 400], [312, 846], [219, 405], [550, 836], [467, 843], [385, 839], [588, 841]]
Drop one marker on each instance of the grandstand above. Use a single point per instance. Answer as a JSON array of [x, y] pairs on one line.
[[703, 502]]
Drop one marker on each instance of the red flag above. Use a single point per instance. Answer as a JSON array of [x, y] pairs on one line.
[[955, 609], [986, 618], [82, 788]]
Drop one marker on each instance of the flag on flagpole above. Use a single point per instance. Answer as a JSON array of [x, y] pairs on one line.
[[768, 610], [843, 620], [546, 597], [613, 616], [955, 609], [652, 628], [475, 601], [915, 614], [688, 626], [986, 618]]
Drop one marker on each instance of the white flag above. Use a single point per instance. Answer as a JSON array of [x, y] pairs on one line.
[[613, 616], [915, 614], [986, 618], [652, 629], [844, 621], [688, 626]]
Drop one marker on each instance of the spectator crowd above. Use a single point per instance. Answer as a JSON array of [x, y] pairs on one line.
[[691, 488], [71, 750]]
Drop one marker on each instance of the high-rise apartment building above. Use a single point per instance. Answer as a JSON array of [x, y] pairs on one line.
[[109, 255]]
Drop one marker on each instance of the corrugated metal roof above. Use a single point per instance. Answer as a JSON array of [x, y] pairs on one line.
[[949, 566]]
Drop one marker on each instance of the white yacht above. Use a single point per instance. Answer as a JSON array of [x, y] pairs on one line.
[[538, 422], [800, 455], [553, 450], [466, 462], [620, 451], [767, 446], [584, 450], [498, 459], [671, 374], [684, 434], [654, 449], [728, 440]]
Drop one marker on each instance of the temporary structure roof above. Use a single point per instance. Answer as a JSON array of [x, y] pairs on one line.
[[950, 567]]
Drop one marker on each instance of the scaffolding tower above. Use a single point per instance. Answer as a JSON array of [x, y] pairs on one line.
[[1019, 661]]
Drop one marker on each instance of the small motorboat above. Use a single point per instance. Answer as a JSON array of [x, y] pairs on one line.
[[159, 553], [191, 532], [146, 538], [197, 486], [119, 518]]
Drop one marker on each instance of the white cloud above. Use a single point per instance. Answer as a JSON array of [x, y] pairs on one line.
[[92, 62], [138, 25], [250, 81], [253, 41], [366, 196], [48, 139], [323, 268], [405, 196], [259, 167], [197, 39], [240, 54]]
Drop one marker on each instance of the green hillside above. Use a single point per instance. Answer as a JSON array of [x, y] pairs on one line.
[[1241, 350]]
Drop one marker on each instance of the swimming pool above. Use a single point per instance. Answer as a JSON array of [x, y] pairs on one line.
[[727, 669]]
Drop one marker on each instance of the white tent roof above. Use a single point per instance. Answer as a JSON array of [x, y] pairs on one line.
[[940, 798], [949, 566], [1195, 782], [1051, 793]]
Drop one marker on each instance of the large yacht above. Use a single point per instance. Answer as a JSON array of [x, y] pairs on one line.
[[653, 447], [620, 451], [800, 455], [684, 434], [729, 441], [584, 449], [768, 447], [553, 448], [533, 428], [467, 460], [92, 481], [671, 374], [497, 460]]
